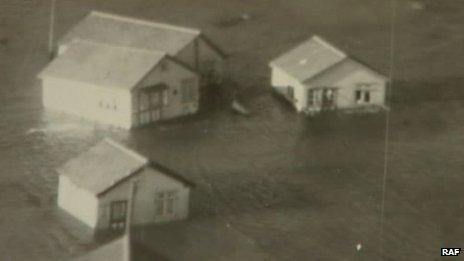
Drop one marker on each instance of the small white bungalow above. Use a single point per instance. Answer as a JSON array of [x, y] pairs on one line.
[[127, 72], [317, 76], [98, 186]]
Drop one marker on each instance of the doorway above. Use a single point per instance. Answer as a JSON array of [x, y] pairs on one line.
[[151, 102], [118, 215], [322, 98]]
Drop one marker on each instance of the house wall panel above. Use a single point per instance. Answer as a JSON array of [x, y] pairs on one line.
[[172, 77], [104, 105], [78, 202], [148, 182], [280, 80], [347, 77]]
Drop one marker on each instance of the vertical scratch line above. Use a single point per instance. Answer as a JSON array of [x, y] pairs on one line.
[[387, 127]]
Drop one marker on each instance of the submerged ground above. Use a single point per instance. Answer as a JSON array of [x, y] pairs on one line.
[[275, 186]]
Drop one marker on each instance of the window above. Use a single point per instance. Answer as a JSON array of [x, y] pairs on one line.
[[358, 95], [118, 212], [165, 202], [151, 101], [367, 96], [188, 90], [328, 98], [310, 98], [362, 96], [143, 101], [165, 98]]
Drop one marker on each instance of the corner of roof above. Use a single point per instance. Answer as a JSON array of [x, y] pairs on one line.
[[215, 47], [125, 149], [319, 39], [144, 22], [171, 173]]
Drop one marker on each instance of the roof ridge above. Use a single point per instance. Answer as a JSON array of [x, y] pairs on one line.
[[145, 22], [126, 150], [86, 41], [327, 44]]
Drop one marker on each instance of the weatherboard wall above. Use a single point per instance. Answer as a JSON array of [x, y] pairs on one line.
[[95, 103], [281, 80], [205, 54], [77, 201], [172, 75], [148, 182], [348, 77]]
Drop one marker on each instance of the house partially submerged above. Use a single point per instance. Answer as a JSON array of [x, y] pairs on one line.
[[99, 185], [317, 76], [128, 72]]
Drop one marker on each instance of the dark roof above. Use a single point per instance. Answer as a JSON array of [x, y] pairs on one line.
[[309, 58], [103, 166], [102, 64]]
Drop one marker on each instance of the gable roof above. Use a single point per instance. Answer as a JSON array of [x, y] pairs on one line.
[[103, 166], [108, 164], [309, 58], [129, 32], [102, 64]]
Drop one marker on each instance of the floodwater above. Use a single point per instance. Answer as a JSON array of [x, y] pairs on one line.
[[273, 186]]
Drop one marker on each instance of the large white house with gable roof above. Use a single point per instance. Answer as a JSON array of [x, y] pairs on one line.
[[317, 76], [128, 72]]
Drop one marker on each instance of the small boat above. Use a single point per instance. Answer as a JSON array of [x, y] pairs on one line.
[[239, 108]]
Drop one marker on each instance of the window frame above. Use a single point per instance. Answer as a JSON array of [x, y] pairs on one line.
[[165, 202]]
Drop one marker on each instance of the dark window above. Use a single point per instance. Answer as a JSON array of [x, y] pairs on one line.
[[362, 96], [358, 95], [310, 97], [118, 212], [367, 96]]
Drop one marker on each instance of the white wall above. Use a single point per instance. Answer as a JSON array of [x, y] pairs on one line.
[[172, 77], [84, 100], [78, 202], [280, 80], [346, 77], [148, 182]]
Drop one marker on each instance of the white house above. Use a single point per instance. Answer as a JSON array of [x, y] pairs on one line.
[[127, 72], [317, 76], [98, 186]]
